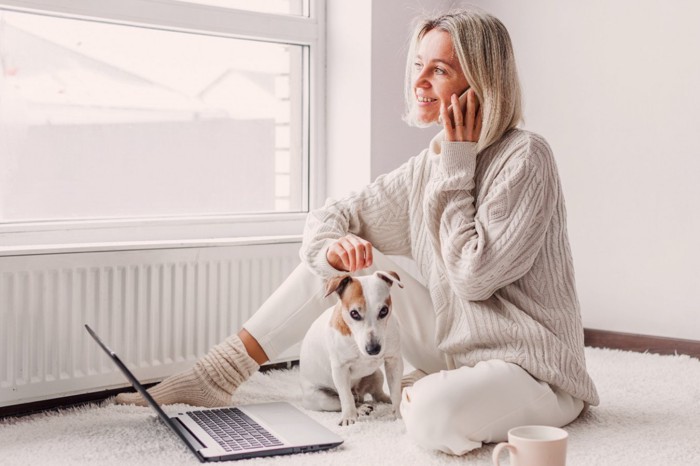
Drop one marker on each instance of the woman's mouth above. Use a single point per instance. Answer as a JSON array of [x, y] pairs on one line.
[[425, 100]]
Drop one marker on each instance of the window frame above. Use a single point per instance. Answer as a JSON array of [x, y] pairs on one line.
[[190, 231]]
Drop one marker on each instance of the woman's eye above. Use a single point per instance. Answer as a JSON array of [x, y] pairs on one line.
[[355, 315], [439, 71], [417, 65], [383, 312]]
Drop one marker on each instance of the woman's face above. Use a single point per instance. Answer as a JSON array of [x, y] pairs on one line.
[[437, 75]]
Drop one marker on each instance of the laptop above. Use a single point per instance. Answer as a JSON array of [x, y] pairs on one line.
[[245, 431]]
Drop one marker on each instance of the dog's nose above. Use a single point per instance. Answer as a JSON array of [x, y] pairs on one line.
[[373, 348]]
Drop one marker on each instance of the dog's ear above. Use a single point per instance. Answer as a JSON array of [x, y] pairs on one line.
[[389, 277], [337, 284]]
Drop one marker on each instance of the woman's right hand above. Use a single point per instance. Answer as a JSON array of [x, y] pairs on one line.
[[467, 125], [350, 254]]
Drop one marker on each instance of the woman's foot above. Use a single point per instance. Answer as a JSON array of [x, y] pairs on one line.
[[412, 377], [210, 383]]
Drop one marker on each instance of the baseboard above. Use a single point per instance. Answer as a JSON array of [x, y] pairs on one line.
[[640, 343]]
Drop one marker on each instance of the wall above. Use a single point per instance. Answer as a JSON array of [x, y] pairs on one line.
[[348, 51], [610, 85]]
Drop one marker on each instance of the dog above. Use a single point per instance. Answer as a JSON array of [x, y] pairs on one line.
[[344, 348]]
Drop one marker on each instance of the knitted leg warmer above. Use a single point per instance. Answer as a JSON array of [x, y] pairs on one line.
[[210, 383]]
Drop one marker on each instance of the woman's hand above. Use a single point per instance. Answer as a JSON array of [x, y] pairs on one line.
[[467, 126], [350, 254]]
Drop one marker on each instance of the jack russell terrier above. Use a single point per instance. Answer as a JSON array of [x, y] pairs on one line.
[[344, 348]]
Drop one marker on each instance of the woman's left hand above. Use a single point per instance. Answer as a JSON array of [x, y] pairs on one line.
[[467, 125]]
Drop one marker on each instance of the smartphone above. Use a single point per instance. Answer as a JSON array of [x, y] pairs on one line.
[[462, 106]]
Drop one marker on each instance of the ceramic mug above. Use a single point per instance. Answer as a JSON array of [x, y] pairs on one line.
[[534, 446]]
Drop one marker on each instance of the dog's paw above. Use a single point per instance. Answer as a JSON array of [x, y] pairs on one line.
[[365, 409], [347, 421], [381, 398]]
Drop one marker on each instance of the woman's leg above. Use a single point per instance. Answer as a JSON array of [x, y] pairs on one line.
[[456, 411], [287, 314]]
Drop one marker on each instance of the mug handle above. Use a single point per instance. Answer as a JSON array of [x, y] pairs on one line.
[[497, 451]]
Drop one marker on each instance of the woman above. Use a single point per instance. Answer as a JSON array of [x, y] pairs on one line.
[[495, 334]]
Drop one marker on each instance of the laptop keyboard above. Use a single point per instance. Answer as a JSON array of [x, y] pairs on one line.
[[233, 429]]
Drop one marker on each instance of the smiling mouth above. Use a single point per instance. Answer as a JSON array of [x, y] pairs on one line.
[[425, 99]]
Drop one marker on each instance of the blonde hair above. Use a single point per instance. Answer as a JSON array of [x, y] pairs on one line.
[[485, 53]]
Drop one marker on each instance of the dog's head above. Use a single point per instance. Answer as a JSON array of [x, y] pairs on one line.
[[364, 308]]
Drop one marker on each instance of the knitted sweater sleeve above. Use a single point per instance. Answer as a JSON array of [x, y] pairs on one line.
[[486, 248], [378, 214]]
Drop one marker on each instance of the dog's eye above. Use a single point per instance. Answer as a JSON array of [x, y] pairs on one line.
[[355, 315], [383, 312]]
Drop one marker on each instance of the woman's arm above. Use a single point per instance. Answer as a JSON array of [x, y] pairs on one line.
[[376, 216], [486, 249]]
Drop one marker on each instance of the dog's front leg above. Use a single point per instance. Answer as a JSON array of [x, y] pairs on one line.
[[341, 379], [393, 366]]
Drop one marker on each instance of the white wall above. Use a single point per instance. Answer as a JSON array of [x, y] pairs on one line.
[[348, 90], [612, 86]]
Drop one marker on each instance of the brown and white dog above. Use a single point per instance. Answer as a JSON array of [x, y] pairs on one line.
[[344, 348]]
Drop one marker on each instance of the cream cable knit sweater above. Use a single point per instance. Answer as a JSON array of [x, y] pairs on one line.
[[488, 233]]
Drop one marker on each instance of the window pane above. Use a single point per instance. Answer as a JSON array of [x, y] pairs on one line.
[[107, 121], [282, 7]]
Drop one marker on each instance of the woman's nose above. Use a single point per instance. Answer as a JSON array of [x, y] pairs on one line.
[[421, 80]]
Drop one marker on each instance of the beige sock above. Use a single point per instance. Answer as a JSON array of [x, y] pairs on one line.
[[210, 383], [412, 377]]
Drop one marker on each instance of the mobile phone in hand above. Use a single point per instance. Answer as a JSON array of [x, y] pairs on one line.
[[462, 106]]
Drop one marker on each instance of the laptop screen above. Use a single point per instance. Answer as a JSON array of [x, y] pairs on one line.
[[139, 388]]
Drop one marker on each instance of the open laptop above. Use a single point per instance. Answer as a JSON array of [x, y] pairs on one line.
[[245, 431]]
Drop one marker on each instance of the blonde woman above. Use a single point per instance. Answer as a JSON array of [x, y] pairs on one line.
[[493, 328]]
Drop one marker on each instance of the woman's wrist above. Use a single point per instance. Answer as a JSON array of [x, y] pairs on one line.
[[458, 157]]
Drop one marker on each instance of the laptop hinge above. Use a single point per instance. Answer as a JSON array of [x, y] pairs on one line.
[[192, 440]]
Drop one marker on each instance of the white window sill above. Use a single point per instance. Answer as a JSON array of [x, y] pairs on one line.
[[120, 235]]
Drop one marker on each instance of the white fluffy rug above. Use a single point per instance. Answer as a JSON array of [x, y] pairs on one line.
[[649, 415]]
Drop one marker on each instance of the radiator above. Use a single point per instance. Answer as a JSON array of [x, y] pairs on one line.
[[159, 309]]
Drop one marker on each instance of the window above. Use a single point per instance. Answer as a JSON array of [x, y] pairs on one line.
[[291, 7], [186, 116]]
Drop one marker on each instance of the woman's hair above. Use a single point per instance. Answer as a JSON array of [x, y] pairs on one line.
[[482, 45]]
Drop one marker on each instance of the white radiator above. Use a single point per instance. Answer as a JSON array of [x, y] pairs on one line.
[[159, 309]]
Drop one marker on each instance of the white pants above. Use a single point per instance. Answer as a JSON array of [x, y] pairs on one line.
[[453, 411]]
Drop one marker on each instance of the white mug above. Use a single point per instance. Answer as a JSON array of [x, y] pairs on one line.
[[534, 446]]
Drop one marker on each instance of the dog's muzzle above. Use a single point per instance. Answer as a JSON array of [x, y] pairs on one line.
[[373, 348]]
